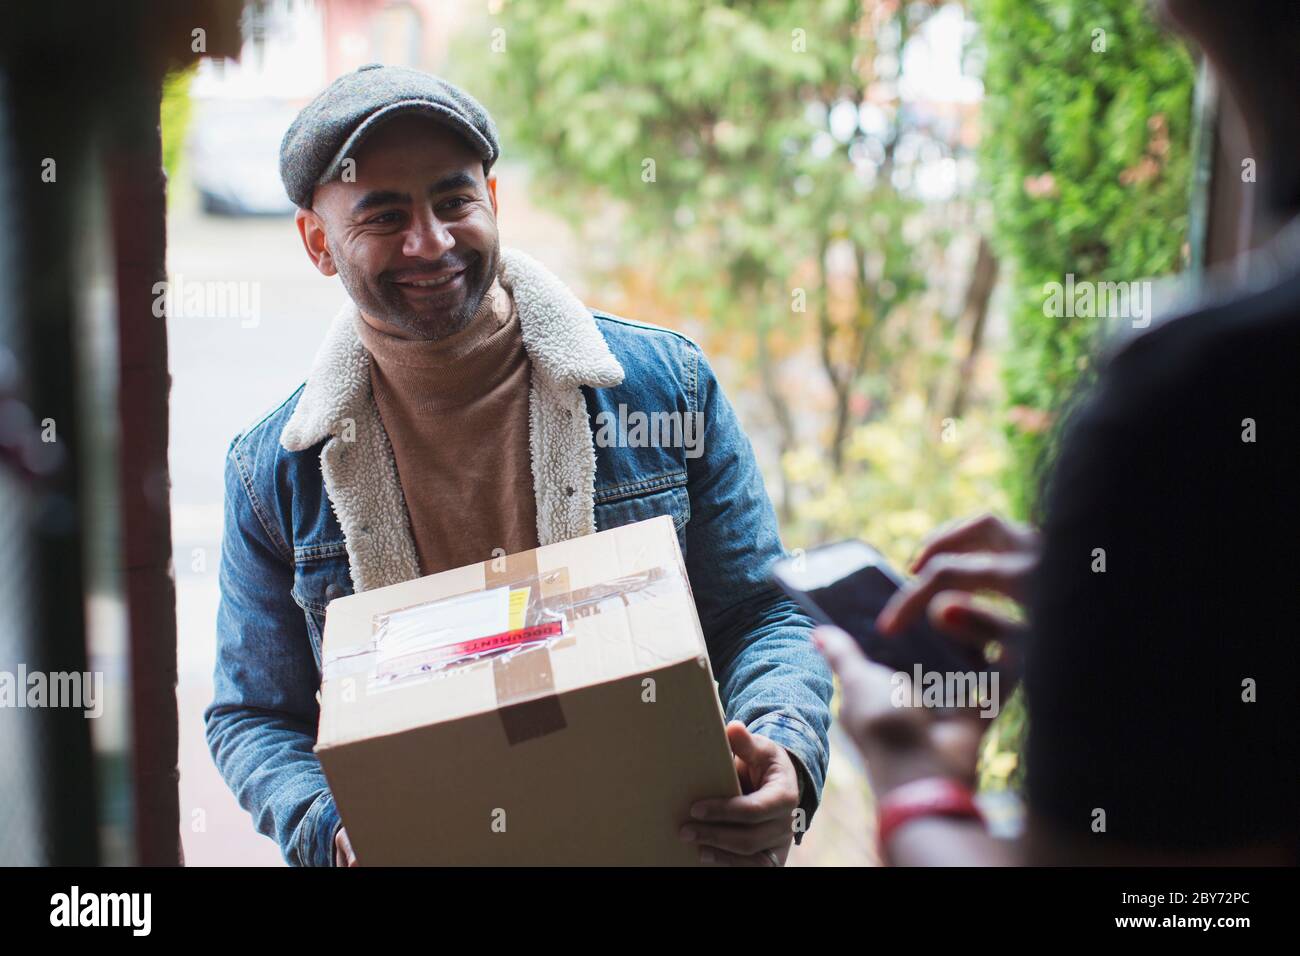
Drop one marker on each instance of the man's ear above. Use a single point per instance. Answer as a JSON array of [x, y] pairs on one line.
[[312, 231], [492, 192]]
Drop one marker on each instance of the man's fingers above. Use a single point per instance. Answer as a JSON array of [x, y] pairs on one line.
[[747, 754], [343, 855], [742, 773], [1002, 573], [739, 839], [765, 803], [716, 857], [744, 745], [986, 532]]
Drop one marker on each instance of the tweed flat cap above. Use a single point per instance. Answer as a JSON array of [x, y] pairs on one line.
[[331, 126]]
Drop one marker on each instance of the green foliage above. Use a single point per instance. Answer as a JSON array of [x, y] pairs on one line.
[[595, 89], [915, 475], [744, 154], [695, 119], [175, 117], [1087, 155]]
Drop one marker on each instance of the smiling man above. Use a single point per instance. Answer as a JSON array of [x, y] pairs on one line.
[[451, 416]]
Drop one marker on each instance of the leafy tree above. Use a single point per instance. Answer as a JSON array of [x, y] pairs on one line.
[[760, 160]]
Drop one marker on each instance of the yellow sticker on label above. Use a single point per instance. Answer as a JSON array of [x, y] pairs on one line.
[[518, 606]]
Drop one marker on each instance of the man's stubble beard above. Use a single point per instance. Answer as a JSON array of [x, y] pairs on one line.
[[385, 302]]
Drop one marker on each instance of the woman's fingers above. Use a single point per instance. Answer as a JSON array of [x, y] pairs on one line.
[[1005, 574], [986, 532], [868, 710], [957, 743], [847, 661], [956, 614], [865, 684]]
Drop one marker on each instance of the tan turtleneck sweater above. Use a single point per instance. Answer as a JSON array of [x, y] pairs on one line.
[[456, 413]]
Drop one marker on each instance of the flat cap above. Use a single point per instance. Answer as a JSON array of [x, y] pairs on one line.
[[331, 126]]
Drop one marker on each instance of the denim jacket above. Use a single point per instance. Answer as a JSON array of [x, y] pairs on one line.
[[314, 511]]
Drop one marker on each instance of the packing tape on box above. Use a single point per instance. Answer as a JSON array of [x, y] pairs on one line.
[[541, 606], [525, 683]]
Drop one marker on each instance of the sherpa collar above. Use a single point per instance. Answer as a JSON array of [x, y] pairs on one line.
[[357, 464]]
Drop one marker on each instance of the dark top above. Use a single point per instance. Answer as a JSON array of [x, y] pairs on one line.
[[1135, 676]]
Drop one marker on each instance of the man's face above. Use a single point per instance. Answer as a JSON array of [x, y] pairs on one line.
[[414, 238]]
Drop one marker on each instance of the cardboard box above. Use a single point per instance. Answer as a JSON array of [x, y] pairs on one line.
[[553, 707]]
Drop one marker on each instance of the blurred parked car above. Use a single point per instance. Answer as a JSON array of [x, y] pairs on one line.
[[235, 153]]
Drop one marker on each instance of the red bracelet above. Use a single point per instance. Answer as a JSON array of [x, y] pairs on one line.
[[927, 797]]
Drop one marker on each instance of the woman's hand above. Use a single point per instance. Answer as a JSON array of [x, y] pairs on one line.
[[901, 742], [986, 553]]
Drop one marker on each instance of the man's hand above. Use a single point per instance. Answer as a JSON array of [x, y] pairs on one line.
[[756, 828], [343, 855]]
